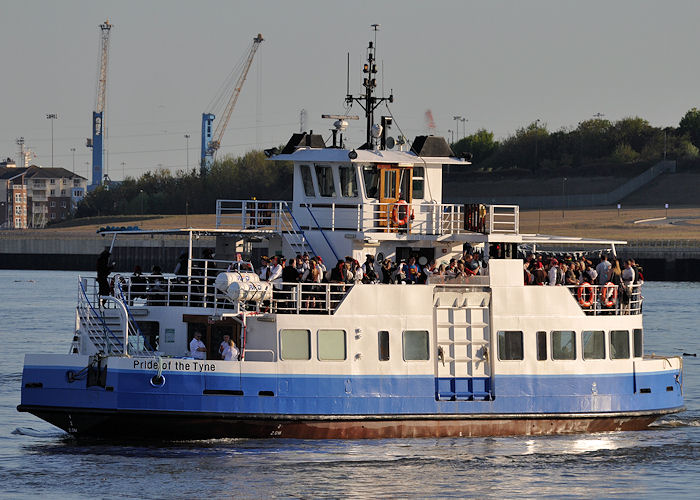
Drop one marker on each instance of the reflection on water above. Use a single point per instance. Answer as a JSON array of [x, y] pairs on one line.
[[38, 460]]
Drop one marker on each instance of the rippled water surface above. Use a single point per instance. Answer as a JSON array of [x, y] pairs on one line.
[[37, 459]]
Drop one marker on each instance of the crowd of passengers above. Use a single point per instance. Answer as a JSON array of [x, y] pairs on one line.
[[306, 269], [541, 270]]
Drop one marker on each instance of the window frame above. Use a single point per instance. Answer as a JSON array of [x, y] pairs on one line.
[[427, 345], [353, 180], [367, 171], [541, 342], [281, 340], [304, 178], [638, 348], [381, 339], [507, 336], [318, 168], [318, 344], [421, 180], [554, 333], [613, 349]]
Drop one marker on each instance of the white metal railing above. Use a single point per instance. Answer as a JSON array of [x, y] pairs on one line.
[[418, 218], [608, 299]]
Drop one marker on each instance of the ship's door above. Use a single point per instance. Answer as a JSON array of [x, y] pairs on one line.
[[461, 322], [225, 377], [394, 182]]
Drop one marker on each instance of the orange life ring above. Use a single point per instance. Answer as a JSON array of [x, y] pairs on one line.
[[581, 295], [609, 299], [395, 216]]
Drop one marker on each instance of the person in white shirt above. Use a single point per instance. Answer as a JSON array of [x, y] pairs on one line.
[[197, 348], [224, 345], [276, 273], [230, 352], [553, 270]]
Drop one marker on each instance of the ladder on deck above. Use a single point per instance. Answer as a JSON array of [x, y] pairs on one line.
[[461, 322], [292, 232]]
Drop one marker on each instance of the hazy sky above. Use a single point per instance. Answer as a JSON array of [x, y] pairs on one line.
[[501, 64]]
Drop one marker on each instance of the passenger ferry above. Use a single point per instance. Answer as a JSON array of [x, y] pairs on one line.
[[481, 356]]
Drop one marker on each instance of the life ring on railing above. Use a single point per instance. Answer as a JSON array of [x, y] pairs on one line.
[[609, 298], [585, 294], [401, 213]]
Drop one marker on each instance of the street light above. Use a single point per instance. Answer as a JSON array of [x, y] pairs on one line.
[[464, 126], [123, 170], [52, 117], [141, 191], [457, 119], [452, 134], [187, 139], [73, 151]]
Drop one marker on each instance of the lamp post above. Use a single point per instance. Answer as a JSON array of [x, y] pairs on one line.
[[187, 139], [452, 135], [123, 170], [464, 126], [457, 119], [563, 196], [141, 196], [52, 117], [72, 150]]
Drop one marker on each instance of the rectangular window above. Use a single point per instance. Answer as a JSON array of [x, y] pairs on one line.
[[383, 346], [307, 181], [63, 204], [18, 210], [295, 344], [390, 184], [415, 345], [53, 215], [619, 344], [370, 174], [53, 203], [331, 345], [418, 183], [348, 181], [18, 198], [63, 192], [510, 346], [324, 177], [18, 222], [638, 343], [563, 344], [593, 344], [541, 346], [53, 192], [53, 181]]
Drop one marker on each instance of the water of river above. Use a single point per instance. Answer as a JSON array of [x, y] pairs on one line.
[[37, 315]]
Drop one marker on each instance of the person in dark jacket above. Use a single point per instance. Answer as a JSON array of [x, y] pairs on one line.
[[104, 267]]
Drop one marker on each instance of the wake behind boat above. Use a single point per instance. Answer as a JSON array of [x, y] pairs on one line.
[[471, 352]]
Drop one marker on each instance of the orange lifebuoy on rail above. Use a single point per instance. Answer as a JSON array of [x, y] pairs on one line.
[[609, 298], [401, 213], [583, 299]]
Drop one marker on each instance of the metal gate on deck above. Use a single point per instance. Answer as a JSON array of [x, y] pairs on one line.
[[461, 322]]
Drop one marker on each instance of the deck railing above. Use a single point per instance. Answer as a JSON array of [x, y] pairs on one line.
[[431, 219], [596, 300]]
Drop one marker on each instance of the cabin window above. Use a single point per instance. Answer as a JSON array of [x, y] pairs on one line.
[[295, 344], [324, 176], [563, 344], [619, 344], [370, 174], [306, 180], [541, 346], [638, 343], [390, 185], [348, 181], [419, 182], [510, 346], [383, 345], [331, 345], [593, 344], [415, 345]]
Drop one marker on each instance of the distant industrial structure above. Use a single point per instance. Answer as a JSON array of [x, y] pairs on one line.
[[32, 196], [97, 142]]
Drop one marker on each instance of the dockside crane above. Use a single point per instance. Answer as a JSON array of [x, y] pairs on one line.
[[96, 142], [211, 138]]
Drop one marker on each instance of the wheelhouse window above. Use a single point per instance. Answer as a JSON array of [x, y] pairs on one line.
[[541, 346], [415, 345], [593, 344], [324, 177], [418, 183], [306, 180], [331, 345], [638, 343], [370, 174], [563, 344], [295, 344], [619, 344], [510, 346], [383, 345], [348, 181]]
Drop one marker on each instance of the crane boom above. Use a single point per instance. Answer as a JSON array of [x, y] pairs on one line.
[[211, 141], [96, 143]]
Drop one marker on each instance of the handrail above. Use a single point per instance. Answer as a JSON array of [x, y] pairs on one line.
[[96, 314], [335, 254], [299, 229], [130, 317]]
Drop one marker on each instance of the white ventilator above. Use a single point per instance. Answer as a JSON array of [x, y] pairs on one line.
[[243, 287]]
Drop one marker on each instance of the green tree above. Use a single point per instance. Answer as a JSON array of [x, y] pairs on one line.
[[480, 144], [690, 125]]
